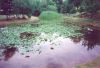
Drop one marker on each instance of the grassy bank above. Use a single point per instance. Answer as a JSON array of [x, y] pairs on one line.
[[92, 64]]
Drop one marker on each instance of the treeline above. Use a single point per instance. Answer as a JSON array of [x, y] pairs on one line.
[[73, 6], [35, 7]]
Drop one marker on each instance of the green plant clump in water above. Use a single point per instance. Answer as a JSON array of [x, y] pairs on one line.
[[49, 15]]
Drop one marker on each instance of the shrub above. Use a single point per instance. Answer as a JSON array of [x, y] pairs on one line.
[[49, 15], [52, 8]]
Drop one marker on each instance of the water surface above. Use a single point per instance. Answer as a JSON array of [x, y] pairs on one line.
[[58, 53]]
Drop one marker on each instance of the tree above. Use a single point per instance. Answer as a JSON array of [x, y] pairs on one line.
[[89, 5], [59, 4], [7, 6], [32, 5], [81, 6]]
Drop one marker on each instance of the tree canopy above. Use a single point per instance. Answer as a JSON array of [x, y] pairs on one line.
[[31, 6]]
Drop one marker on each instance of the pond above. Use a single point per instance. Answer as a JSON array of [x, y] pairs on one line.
[[60, 52]]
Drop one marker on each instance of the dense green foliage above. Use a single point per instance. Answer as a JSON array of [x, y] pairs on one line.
[[62, 6], [49, 15], [33, 5]]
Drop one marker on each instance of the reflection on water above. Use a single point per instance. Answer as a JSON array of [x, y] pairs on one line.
[[57, 52], [54, 65], [8, 52], [91, 37]]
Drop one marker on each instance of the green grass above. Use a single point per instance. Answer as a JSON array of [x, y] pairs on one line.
[[92, 64]]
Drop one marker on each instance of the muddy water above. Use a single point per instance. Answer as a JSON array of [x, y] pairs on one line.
[[67, 53]]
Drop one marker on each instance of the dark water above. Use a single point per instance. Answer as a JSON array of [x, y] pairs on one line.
[[68, 54]]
